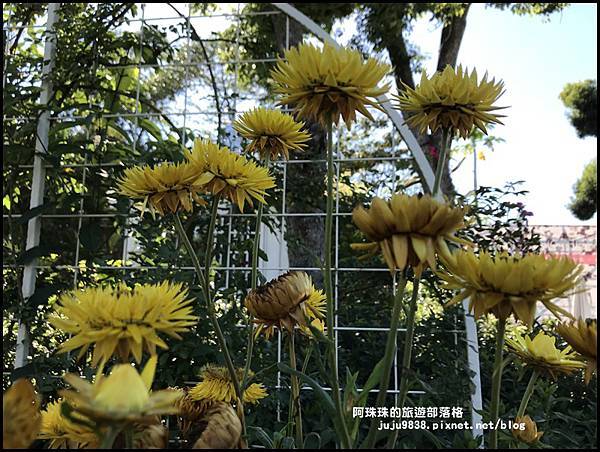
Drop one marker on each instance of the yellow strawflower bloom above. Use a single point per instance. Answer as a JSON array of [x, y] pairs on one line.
[[216, 385], [165, 187], [63, 433], [541, 354], [505, 284], [408, 230], [122, 397], [453, 100], [229, 175], [272, 133], [583, 337], [324, 84], [123, 320], [20, 415], [289, 300], [529, 434]]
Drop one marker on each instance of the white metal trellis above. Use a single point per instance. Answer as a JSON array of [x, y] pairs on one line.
[[38, 180], [273, 243]]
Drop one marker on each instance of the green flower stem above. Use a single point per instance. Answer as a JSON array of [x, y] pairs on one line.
[[496, 383], [254, 284], [407, 353], [446, 140], [528, 392], [388, 359], [205, 281], [109, 437], [345, 439], [128, 437], [295, 406]]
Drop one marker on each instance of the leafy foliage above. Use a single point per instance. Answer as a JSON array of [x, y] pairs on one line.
[[584, 203], [581, 99]]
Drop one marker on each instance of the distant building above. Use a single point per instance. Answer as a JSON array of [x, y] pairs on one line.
[[579, 243]]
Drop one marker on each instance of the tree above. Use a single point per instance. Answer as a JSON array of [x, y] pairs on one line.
[[584, 203], [581, 100]]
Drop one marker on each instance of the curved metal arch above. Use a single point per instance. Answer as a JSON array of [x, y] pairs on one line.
[[427, 172]]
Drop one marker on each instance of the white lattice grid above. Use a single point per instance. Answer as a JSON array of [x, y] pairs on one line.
[[185, 116]]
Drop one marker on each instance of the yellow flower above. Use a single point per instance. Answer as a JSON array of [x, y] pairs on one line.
[[408, 230], [542, 355], [529, 434], [20, 415], [324, 84], [505, 284], [272, 132], [122, 319], [451, 99], [286, 301], [63, 433], [222, 428], [583, 337], [122, 397], [216, 385], [164, 187], [229, 175]]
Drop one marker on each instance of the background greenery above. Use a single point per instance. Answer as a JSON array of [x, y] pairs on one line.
[[96, 93]]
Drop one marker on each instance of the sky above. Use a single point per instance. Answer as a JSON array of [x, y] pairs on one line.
[[535, 59]]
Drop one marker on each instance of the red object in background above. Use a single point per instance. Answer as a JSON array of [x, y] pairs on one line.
[[581, 258]]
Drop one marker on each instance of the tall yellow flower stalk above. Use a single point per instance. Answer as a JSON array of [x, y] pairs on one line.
[[408, 231], [323, 85], [286, 302], [272, 134], [451, 100], [506, 285], [123, 320]]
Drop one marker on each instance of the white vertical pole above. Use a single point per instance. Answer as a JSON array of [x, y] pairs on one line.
[[38, 179]]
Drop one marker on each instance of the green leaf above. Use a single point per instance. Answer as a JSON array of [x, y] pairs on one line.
[[372, 381], [312, 441], [262, 437], [327, 402]]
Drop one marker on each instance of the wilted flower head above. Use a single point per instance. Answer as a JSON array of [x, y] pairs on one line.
[[165, 187], [63, 433], [20, 415], [541, 354], [289, 300], [229, 175], [505, 284], [529, 434], [122, 319], [222, 428], [583, 337], [216, 385], [123, 396], [452, 100], [324, 84], [408, 230], [272, 133]]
